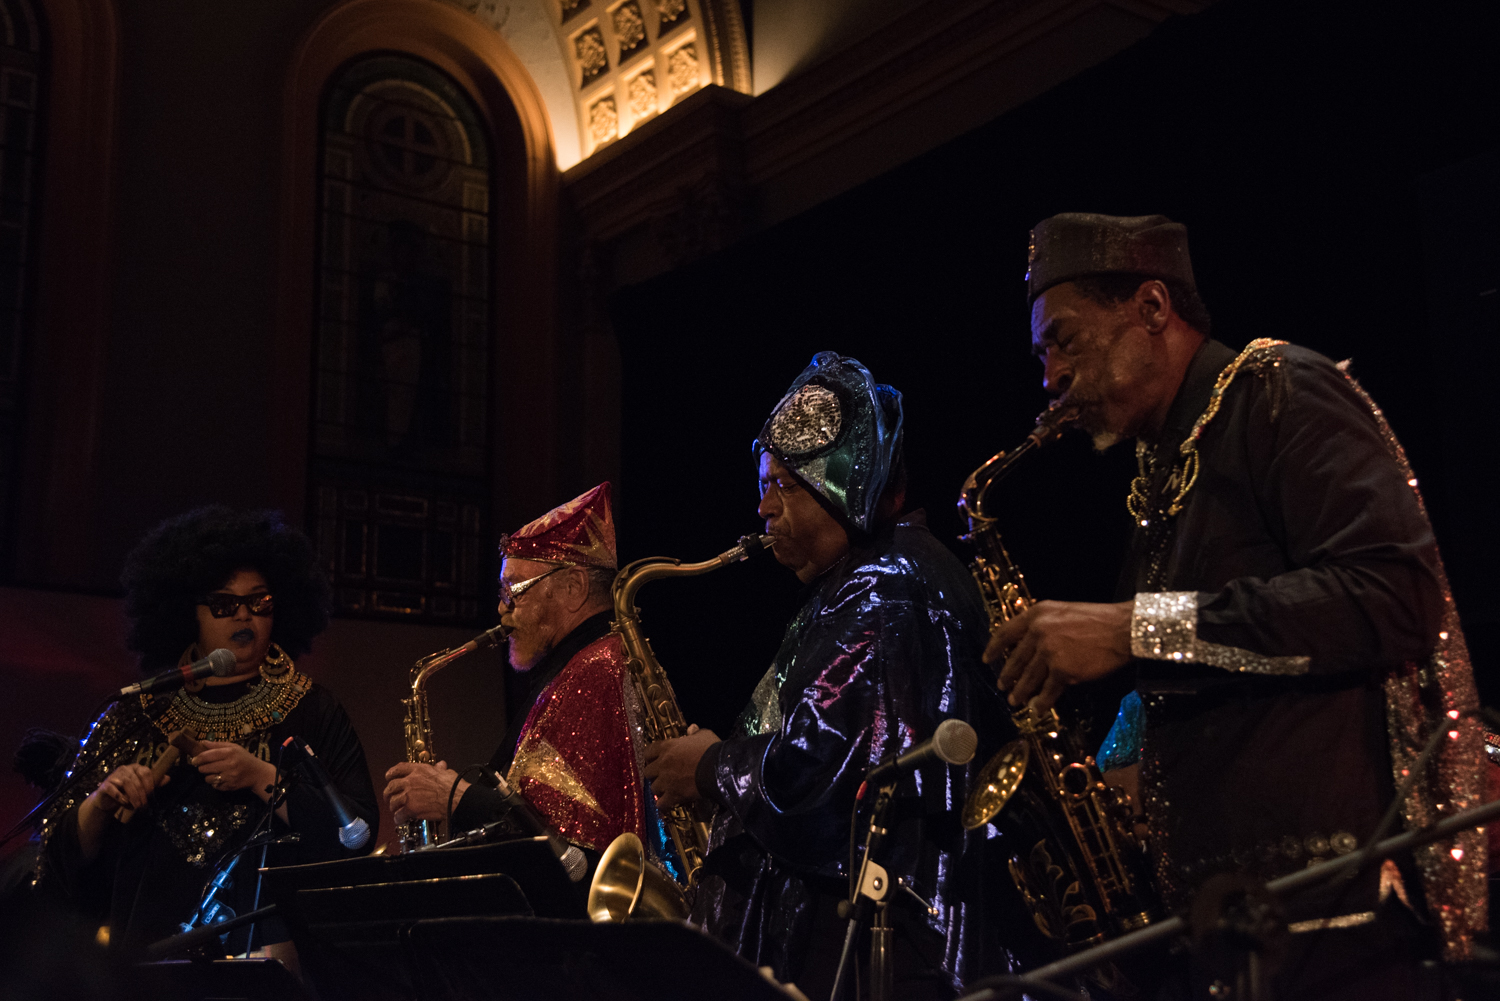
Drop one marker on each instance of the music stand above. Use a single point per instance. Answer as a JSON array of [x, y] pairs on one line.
[[350, 918], [222, 980], [535, 959]]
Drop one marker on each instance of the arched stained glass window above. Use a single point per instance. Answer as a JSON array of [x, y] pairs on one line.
[[400, 474], [21, 75]]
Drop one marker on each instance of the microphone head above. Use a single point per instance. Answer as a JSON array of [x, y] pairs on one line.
[[574, 863], [955, 741], [223, 661], [354, 836]]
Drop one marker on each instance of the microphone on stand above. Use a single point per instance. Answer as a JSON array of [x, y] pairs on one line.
[[952, 743], [219, 664], [353, 831], [526, 815]]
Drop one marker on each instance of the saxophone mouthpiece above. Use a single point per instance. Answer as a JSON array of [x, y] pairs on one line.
[[1052, 422], [493, 636], [754, 545]]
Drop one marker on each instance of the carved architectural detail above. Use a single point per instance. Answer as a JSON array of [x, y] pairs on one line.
[[683, 45], [592, 60], [643, 96], [604, 120], [670, 12], [682, 69], [630, 28]]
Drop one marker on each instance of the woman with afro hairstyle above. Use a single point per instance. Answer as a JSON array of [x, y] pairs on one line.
[[209, 579]]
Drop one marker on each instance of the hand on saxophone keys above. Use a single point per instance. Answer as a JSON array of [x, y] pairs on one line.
[[1056, 644], [671, 766], [420, 791]]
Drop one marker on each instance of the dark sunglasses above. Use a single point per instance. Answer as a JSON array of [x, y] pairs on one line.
[[222, 606]]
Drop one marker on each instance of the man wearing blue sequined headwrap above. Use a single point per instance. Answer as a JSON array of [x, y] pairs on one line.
[[885, 646]]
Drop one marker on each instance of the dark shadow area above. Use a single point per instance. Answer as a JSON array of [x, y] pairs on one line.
[[1291, 139]]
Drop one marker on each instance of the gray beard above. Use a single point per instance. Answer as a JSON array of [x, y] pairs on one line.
[[1105, 440], [537, 658]]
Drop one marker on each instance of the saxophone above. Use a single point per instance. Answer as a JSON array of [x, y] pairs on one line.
[[415, 834], [1078, 865], [621, 882]]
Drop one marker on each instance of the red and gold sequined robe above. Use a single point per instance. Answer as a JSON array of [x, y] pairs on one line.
[[578, 757]]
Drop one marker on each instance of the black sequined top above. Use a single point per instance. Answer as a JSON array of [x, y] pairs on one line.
[[150, 872]]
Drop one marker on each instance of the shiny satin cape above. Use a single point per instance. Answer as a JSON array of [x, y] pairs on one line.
[[885, 646]]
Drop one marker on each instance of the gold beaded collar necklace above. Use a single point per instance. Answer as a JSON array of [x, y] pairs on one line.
[[264, 705]]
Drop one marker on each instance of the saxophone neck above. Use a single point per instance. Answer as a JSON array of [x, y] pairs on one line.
[[640, 573], [429, 665], [1050, 424]]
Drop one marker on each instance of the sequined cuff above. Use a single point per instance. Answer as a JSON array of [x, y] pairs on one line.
[[1164, 626]]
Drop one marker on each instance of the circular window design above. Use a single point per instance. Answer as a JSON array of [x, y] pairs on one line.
[[413, 139]]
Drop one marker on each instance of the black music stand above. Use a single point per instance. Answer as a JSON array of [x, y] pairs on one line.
[[350, 918], [535, 959], [222, 980]]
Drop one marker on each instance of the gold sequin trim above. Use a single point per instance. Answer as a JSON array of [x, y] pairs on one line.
[[539, 761], [1164, 626], [1323, 924], [1258, 352]]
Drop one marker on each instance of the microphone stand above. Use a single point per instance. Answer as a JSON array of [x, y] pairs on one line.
[[203, 934], [279, 792], [1041, 981], [869, 901]]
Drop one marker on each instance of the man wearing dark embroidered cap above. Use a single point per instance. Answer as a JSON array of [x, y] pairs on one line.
[[1287, 616], [885, 647]]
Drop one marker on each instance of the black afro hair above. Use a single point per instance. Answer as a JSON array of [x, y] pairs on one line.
[[192, 554]]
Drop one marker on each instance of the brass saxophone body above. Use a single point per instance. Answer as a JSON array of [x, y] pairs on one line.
[[417, 834], [1075, 858], [661, 718]]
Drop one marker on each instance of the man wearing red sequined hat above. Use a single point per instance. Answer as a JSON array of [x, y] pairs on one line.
[[571, 747]]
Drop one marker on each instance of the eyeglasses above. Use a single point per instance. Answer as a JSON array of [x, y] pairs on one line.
[[222, 606], [511, 593]]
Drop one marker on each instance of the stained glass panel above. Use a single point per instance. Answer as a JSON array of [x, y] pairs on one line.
[[400, 464]]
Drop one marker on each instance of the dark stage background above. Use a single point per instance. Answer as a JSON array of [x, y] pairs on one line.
[[1310, 147]]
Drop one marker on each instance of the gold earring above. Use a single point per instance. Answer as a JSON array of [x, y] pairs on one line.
[[276, 664]]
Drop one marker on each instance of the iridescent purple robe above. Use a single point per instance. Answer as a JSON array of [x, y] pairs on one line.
[[885, 647]]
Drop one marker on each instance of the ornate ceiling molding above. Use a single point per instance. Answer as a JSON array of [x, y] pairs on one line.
[[925, 78], [606, 67]]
